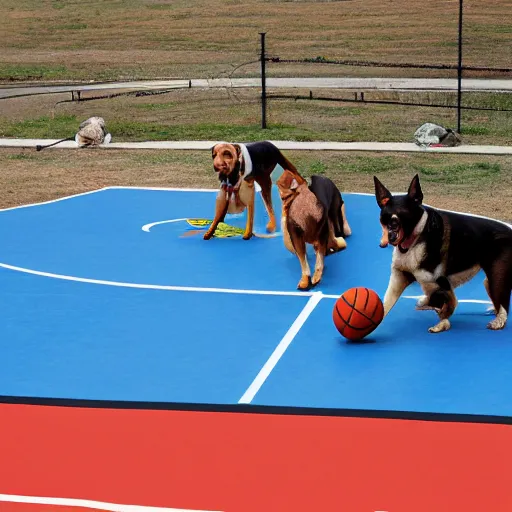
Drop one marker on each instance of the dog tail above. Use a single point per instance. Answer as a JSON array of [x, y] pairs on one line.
[[286, 164], [39, 147]]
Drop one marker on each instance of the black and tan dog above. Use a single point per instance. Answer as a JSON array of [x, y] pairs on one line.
[[313, 214], [239, 166], [442, 250]]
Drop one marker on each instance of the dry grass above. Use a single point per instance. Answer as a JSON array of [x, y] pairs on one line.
[[457, 182], [193, 38], [70, 39], [119, 39]]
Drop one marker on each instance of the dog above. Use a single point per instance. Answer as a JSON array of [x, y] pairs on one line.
[[442, 250], [313, 214], [91, 133], [239, 166]]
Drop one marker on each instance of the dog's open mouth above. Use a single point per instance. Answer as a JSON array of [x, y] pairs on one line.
[[397, 239], [395, 236]]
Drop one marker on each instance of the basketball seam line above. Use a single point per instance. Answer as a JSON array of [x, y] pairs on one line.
[[352, 306], [347, 324], [376, 307], [367, 298]]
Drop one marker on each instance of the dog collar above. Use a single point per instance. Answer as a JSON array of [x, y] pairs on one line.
[[403, 249], [406, 245], [245, 161]]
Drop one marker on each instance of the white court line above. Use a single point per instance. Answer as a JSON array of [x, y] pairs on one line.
[[64, 198], [416, 297], [156, 286], [267, 368], [147, 227], [474, 301], [178, 189], [200, 289], [272, 361], [165, 189], [97, 505], [171, 189], [179, 288]]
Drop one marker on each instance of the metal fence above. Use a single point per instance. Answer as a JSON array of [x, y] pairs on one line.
[[265, 58]]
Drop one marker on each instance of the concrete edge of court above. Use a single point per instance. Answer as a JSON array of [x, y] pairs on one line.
[[407, 147]]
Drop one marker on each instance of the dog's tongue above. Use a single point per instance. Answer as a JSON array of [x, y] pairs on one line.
[[406, 244]]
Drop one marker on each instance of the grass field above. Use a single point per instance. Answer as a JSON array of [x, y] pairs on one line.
[[190, 114], [115, 40], [472, 183], [57, 40], [71, 39]]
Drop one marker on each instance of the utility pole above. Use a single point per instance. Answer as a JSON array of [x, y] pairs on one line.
[[459, 69], [263, 83]]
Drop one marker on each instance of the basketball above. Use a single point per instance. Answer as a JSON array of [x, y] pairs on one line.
[[357, 313]]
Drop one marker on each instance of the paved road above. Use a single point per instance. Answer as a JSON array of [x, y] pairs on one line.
[[285, 145], [396, 84]]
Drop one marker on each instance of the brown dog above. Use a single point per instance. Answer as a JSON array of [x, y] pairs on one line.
[[239, 166], [314, 215]]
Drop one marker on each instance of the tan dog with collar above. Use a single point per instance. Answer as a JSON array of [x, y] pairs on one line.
[[239, 166]]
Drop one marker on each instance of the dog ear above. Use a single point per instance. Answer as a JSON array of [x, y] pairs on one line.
[[213, 150], [415, 192], [294, 184], [238, 150], [382, 194]]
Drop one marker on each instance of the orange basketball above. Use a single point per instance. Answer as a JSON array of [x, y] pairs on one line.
[[357, 313]]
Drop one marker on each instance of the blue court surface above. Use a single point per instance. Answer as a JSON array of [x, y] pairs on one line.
[[101, 299]]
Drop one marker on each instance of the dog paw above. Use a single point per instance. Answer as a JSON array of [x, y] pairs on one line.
[[383, 245], [336, 245], [317, 277], [247, 236], [271, 227], [304, 283], [341, 243], [207, 235], [500, 321], [422, 304], [443, 325], [422, 301], [497, 324]]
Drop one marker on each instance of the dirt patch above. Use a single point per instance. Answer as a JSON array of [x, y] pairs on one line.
[[29, 177]]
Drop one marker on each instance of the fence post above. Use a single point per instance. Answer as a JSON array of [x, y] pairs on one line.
[[263, 84], [459, 69]]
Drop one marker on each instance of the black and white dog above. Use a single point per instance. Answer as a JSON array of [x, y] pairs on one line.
[[442, 250]]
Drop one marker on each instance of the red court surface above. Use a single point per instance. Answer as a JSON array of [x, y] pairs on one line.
[[252, 462]]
